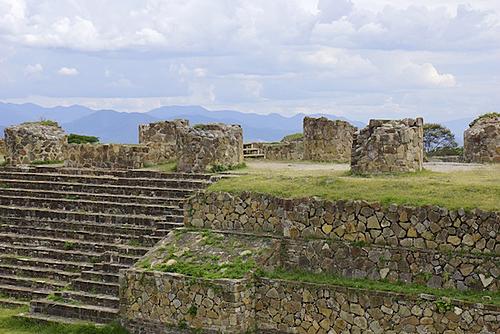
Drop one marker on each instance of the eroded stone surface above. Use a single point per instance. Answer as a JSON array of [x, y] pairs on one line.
[[161, 138], [388, 146], [482, 141], [113, 156]]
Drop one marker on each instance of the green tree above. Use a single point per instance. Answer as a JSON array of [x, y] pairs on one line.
[[437, 138]]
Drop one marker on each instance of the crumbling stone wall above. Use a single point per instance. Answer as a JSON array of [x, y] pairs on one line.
[[30, 142], [209, 145], [161, 138], [327, 140], [292, 150], [482, 141], [389, 146], [152, 301], [2, 147], [113, 156]]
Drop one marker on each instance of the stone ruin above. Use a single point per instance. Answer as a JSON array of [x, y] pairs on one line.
[[205, 146], [482, 141], [34, 142], [388, 146], [161, 139], [109, 156], [327, 140], [2, 147]]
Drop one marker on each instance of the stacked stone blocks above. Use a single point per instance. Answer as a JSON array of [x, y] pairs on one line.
[[388, 146], [110, 156], [161, 139], [482, 141]]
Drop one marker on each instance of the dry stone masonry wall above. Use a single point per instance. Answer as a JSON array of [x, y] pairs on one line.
[[293, 150], [327, 140], [33, 142], [2, 147], [482, 141], [161, 138], [388, 146], [204, 146], [113, 156]]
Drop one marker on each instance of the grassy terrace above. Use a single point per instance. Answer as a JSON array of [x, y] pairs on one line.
[[479, 188], [9, 324]]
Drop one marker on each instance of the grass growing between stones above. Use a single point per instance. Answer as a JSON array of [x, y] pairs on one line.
[[484, 297], [459, 189], [9, 324]]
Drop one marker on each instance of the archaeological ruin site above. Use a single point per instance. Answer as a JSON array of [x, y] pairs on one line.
[[100, 233]]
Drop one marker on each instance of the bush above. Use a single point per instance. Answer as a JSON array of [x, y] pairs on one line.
[[293, 137], [45, 122], [81, 139]]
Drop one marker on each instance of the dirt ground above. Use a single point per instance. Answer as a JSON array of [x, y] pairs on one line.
[[305, 166]]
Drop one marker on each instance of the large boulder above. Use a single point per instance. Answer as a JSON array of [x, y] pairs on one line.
[[482, 140], [34, 142]]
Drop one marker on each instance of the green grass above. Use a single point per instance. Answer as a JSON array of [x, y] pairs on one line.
[[484, 297], [44, 122], [292, 137], [163, 167], [461, 189], [11, 325]]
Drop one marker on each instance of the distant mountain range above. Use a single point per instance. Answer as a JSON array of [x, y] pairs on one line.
[[122, 127]]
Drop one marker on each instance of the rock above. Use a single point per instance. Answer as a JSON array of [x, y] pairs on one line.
[[486, 281], [481, 140], [171, 262]]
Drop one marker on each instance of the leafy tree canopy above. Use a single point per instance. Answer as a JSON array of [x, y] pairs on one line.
[[438, 137]]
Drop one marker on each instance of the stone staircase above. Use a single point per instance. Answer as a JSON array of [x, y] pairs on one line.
[[66, 233], [252, 151]]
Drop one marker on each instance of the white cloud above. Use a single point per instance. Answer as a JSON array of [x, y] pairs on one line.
[[426, 75], [32, 69], [68, 71]]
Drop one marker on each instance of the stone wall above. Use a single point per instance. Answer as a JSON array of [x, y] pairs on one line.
[[295, 307], [388, 146], [427, 227], [327, 140], [161, 138], [2, 147], [113, 156], [204, 146], [152, 301], [293, 150], [482, 141], [30, 142]]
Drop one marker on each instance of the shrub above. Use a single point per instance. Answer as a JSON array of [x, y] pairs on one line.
[[293, 137], [45, 122], [81, 139]]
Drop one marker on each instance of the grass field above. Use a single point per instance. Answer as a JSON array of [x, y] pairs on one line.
[[478, 188], [9, 324]]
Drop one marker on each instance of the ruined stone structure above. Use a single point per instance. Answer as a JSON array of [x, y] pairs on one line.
[[2, 147], [388, 146], [482, 141], [279, 151], [327, 140], [208, 145], [161, 138], [113, 156], [34, 142], [419, 245]]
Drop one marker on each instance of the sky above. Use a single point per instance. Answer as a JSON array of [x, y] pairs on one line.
[[361, 59]]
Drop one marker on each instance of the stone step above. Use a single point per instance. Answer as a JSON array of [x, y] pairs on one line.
[[145, 200], [12, 303], [100, 276], [124, 239], [80, 284], [44, 214], [50, 319], [71, 244], [110, 267], [34, 283], [106, 180], [37, 272], [89, 206], [160, 229], [96, 188], [44, 263], [22, 292], [50, 253], [81, 297], [97, 314], [134, 173]]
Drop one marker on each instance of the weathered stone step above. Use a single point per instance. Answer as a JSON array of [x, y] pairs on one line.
[[96, 188], [37, 272], [50, 319], [40, 193], [100, 276], [44, 263], [112, 289], [124, 239], [160, 229], [106, 172], [82, 297], [41, 213], [110, 267], [49, 253], [12, 303], [71, 244], [22, 292], [89, 206], [97, 314], [34, 283], [106, 180]]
